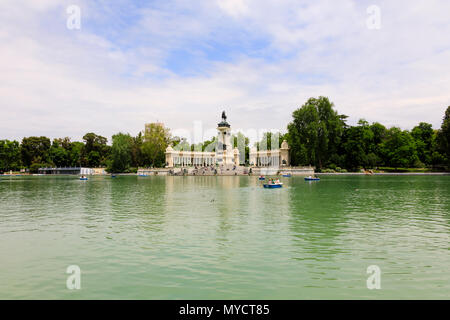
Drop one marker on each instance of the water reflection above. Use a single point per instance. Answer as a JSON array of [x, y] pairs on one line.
[[225, 237], [313, 207]]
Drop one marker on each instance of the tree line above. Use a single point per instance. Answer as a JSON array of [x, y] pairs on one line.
[[124, 155], [317, 135], [36, 152]]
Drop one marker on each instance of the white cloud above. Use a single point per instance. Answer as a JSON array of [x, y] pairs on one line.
[[113, 74], [234, 8]]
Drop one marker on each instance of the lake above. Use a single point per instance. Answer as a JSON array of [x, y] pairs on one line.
[[225, 237]]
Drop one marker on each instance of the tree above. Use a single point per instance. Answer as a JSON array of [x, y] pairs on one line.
[[315, 132], [444, 137], [64, 142], [423, 137], [9, 155], [75, 154], [35, 150], [241, 142], [209, 145], [156, 140], [267, 139], [96, 150], [182, 145], [399, 149], [121, 153], [360, 145], [354, 148], [59, 156], [136, 150], [174, 141], [379, 134]]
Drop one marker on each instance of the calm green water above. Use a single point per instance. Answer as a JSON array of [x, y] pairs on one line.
[[225, 237]]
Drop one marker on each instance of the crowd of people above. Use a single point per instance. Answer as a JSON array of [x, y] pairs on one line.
[[274, 181]]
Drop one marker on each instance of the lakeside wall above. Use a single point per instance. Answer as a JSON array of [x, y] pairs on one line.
[[227, 171], [385, 174]]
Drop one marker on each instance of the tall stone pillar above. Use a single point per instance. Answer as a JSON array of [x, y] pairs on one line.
[[236, 156], [169, 157], [224, 149], [284, 154]]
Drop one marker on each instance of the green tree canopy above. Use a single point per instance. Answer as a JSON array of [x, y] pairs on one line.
[[354, 147], [315, 132], [444, 137], [423, 138], [76, 154], [136, 150], [9, 155], [359, 145], [182, 144], [96, 150], [266, 141], [241, 142], [58, 154], [121, 152], [209, 145], [156, 140], [35, 150], [399, 149]]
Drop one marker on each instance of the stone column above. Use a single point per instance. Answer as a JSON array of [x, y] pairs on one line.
[[284, 154]]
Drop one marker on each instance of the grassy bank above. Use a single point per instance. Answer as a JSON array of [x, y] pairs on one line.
[[405, 170]]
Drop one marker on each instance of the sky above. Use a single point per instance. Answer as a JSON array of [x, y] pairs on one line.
[[181, 62]]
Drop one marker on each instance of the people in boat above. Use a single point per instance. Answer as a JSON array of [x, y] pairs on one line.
[[272, 181]]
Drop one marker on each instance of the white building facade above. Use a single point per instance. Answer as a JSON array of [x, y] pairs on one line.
[[224, 154], [270, 158]]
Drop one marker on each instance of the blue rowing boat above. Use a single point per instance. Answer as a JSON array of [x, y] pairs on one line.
[[312, 179], [83, 179], [273, 186], [287, 175]]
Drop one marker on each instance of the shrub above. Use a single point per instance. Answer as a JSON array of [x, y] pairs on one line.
[[35, 167]]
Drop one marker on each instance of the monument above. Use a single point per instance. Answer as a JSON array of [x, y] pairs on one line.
[[224, 155], [224, 149]]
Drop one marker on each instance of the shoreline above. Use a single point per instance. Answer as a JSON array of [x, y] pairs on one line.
[[386, 174], [242, 175]]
